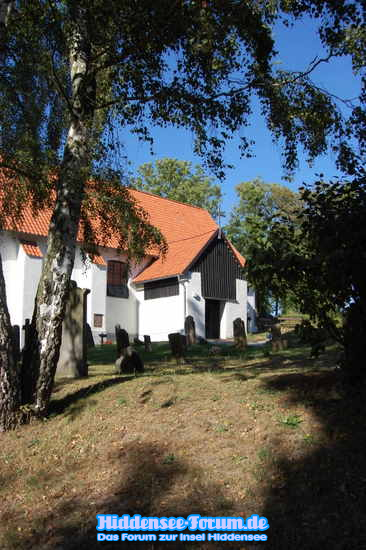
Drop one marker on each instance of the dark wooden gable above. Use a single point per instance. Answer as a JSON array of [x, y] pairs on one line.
[[161, 289], [219, 270]]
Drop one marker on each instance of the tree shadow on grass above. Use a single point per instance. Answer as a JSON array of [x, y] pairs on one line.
[[320, 498], [146, 481], [59, 406]]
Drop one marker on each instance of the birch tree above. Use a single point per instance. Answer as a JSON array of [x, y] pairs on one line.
[[10, 397]]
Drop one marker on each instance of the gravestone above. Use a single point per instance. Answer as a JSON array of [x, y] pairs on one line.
[[89, 336], [27, 334], [190, 330], [240, 337], [16, 342], [129, 362], [178, 345], [73, 360], [147, 342], [122, 339], [277, 343]]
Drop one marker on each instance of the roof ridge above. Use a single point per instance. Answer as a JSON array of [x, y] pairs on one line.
[[194, 236], [171, 200]]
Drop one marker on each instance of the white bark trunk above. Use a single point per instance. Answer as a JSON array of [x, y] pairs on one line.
[[9, 373], [54, 284]]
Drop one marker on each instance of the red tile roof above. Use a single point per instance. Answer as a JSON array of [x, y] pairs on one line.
[[187, 230], [31, 249], [97, 259]]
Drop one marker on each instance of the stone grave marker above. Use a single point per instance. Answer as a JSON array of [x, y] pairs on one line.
[[129, 362], [122, 339], [73, 358], [178, 345], [277, 342], [147, 342], [240, 337], [190, 330]]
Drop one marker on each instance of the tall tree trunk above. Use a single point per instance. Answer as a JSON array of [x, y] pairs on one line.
[[10, 415], [41, 361]]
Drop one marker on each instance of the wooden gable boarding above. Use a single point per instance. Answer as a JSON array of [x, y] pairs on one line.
[[219, 270]]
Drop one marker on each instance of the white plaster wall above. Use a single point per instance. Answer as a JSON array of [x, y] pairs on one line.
[[160, 316], [234, 309], [13, 269], [120, 311], [252, 311], [97, 299], [196, 305], [82, 271], [32, 269], [21, 274]]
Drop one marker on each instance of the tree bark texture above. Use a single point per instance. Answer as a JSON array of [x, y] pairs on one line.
[[41, 362], [10, 415]]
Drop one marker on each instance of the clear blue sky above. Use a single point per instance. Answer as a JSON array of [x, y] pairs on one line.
[[297, 47]]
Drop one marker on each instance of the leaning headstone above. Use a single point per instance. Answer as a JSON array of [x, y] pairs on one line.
[[16, 342], [190, 330], [147, 342], [73, 360], [178, 345], [129, 362], [122, 339], [277, 344], [89, 336], [27, 327], [240, 337]]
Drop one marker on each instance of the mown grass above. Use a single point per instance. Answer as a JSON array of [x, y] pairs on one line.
[[226, 435]]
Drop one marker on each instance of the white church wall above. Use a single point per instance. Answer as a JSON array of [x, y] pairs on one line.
[[196, 304], [122, 311], [234, 309], [252, 312], [160, 316], [13, 269]]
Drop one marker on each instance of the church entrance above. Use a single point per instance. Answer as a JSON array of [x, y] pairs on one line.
[[212, 318]]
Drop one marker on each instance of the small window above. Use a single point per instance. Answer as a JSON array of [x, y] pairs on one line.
[[98, 320], [117, 275], [161, 289]]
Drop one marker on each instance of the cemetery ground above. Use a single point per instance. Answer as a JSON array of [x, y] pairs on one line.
[[231, 434]]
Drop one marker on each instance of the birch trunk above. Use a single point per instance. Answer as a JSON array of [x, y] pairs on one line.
[[10, 415], [41, 361]]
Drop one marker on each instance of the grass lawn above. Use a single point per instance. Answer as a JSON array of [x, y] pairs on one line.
[[227, 435]]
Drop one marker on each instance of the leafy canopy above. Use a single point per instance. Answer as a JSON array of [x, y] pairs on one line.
[[191, 64], [178, 180], [261, 206]]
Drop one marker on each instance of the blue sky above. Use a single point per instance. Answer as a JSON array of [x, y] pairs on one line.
[[297, 47]]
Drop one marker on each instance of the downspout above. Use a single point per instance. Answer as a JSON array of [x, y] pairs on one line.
[[183, 279]]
